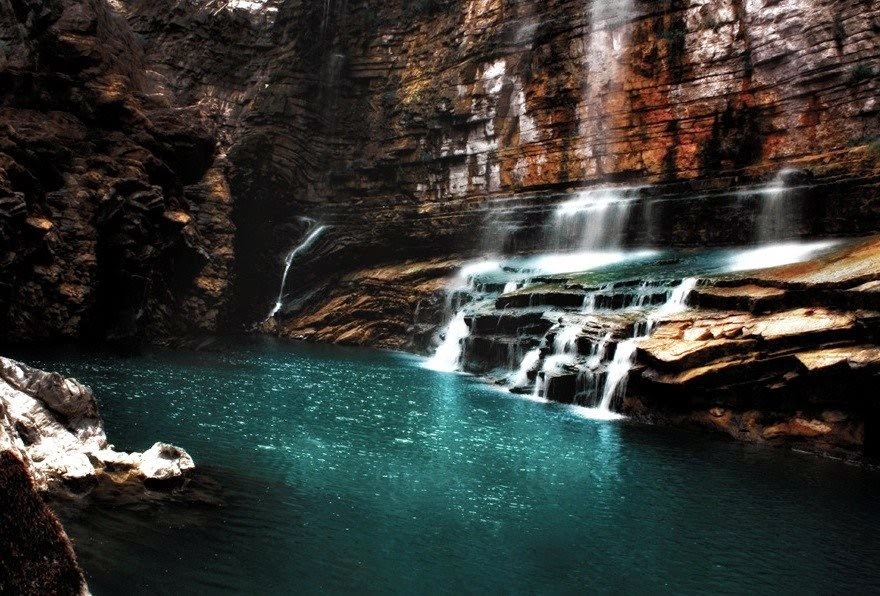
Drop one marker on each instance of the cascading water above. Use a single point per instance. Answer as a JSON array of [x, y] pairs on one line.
[[564, 347], [448, 354], [624, 355], [565, 325], [779, 217], [528, 363], [608, 38], [594, 219], [288, 261]]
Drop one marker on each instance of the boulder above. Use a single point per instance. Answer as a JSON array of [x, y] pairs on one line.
[[54, 426]]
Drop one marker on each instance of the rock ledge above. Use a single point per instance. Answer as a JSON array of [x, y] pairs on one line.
[[52, 424]]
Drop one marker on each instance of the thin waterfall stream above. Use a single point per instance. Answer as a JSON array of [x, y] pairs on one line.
[[298, 250]]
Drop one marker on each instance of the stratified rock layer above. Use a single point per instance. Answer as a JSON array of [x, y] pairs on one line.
[[395, 122], [789, 356]]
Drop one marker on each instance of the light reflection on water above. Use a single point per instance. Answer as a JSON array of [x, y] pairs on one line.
[[356, 470]]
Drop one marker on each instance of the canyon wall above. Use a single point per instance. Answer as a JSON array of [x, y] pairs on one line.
[[114, 211], [397, 124], [444, 108]]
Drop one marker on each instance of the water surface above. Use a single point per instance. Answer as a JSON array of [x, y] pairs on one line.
[[355, 470]]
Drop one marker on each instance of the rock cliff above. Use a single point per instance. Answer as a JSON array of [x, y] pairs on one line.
[[114, 212], [397, 123]]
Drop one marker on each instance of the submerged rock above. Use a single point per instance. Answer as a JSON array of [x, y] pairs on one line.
[[53, 426]]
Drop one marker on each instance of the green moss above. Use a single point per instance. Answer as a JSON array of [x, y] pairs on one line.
[[423, 8], [861, 72]]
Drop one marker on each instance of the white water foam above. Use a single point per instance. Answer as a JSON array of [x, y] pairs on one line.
[[625, 354], [521, 378], [558, 263], [775, 255], [448, 355]]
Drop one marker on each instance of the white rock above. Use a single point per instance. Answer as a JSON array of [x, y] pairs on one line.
[[53, 425], [163, 461]]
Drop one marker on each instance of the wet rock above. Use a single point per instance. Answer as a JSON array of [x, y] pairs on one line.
[[36, 556], [164, 462], [54, 424], [798, 375], [750, 297], [683, 354]]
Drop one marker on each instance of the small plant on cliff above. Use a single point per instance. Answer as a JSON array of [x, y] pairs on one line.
[[423, 8], [861, 72]]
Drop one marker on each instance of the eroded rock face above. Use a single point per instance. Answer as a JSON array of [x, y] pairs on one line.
[[114, 214], [52, 424], [157, 155], [395, 122]]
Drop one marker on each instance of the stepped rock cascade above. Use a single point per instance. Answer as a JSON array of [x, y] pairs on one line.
[[651, 209], [566, 326]]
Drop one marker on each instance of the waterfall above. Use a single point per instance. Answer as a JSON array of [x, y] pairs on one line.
[[448, 354], [594, 219], [521, 378], [625, 354], [618, 372], [677, 300], [608, 39], [779, 217], [565, 340], [564, 347], [288, 260]]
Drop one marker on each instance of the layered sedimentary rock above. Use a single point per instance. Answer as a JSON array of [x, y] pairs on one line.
[[161, 159], [782, 356], [394, 122], [789, 356]]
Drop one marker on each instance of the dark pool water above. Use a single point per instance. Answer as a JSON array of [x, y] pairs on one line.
[[350, 470]]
